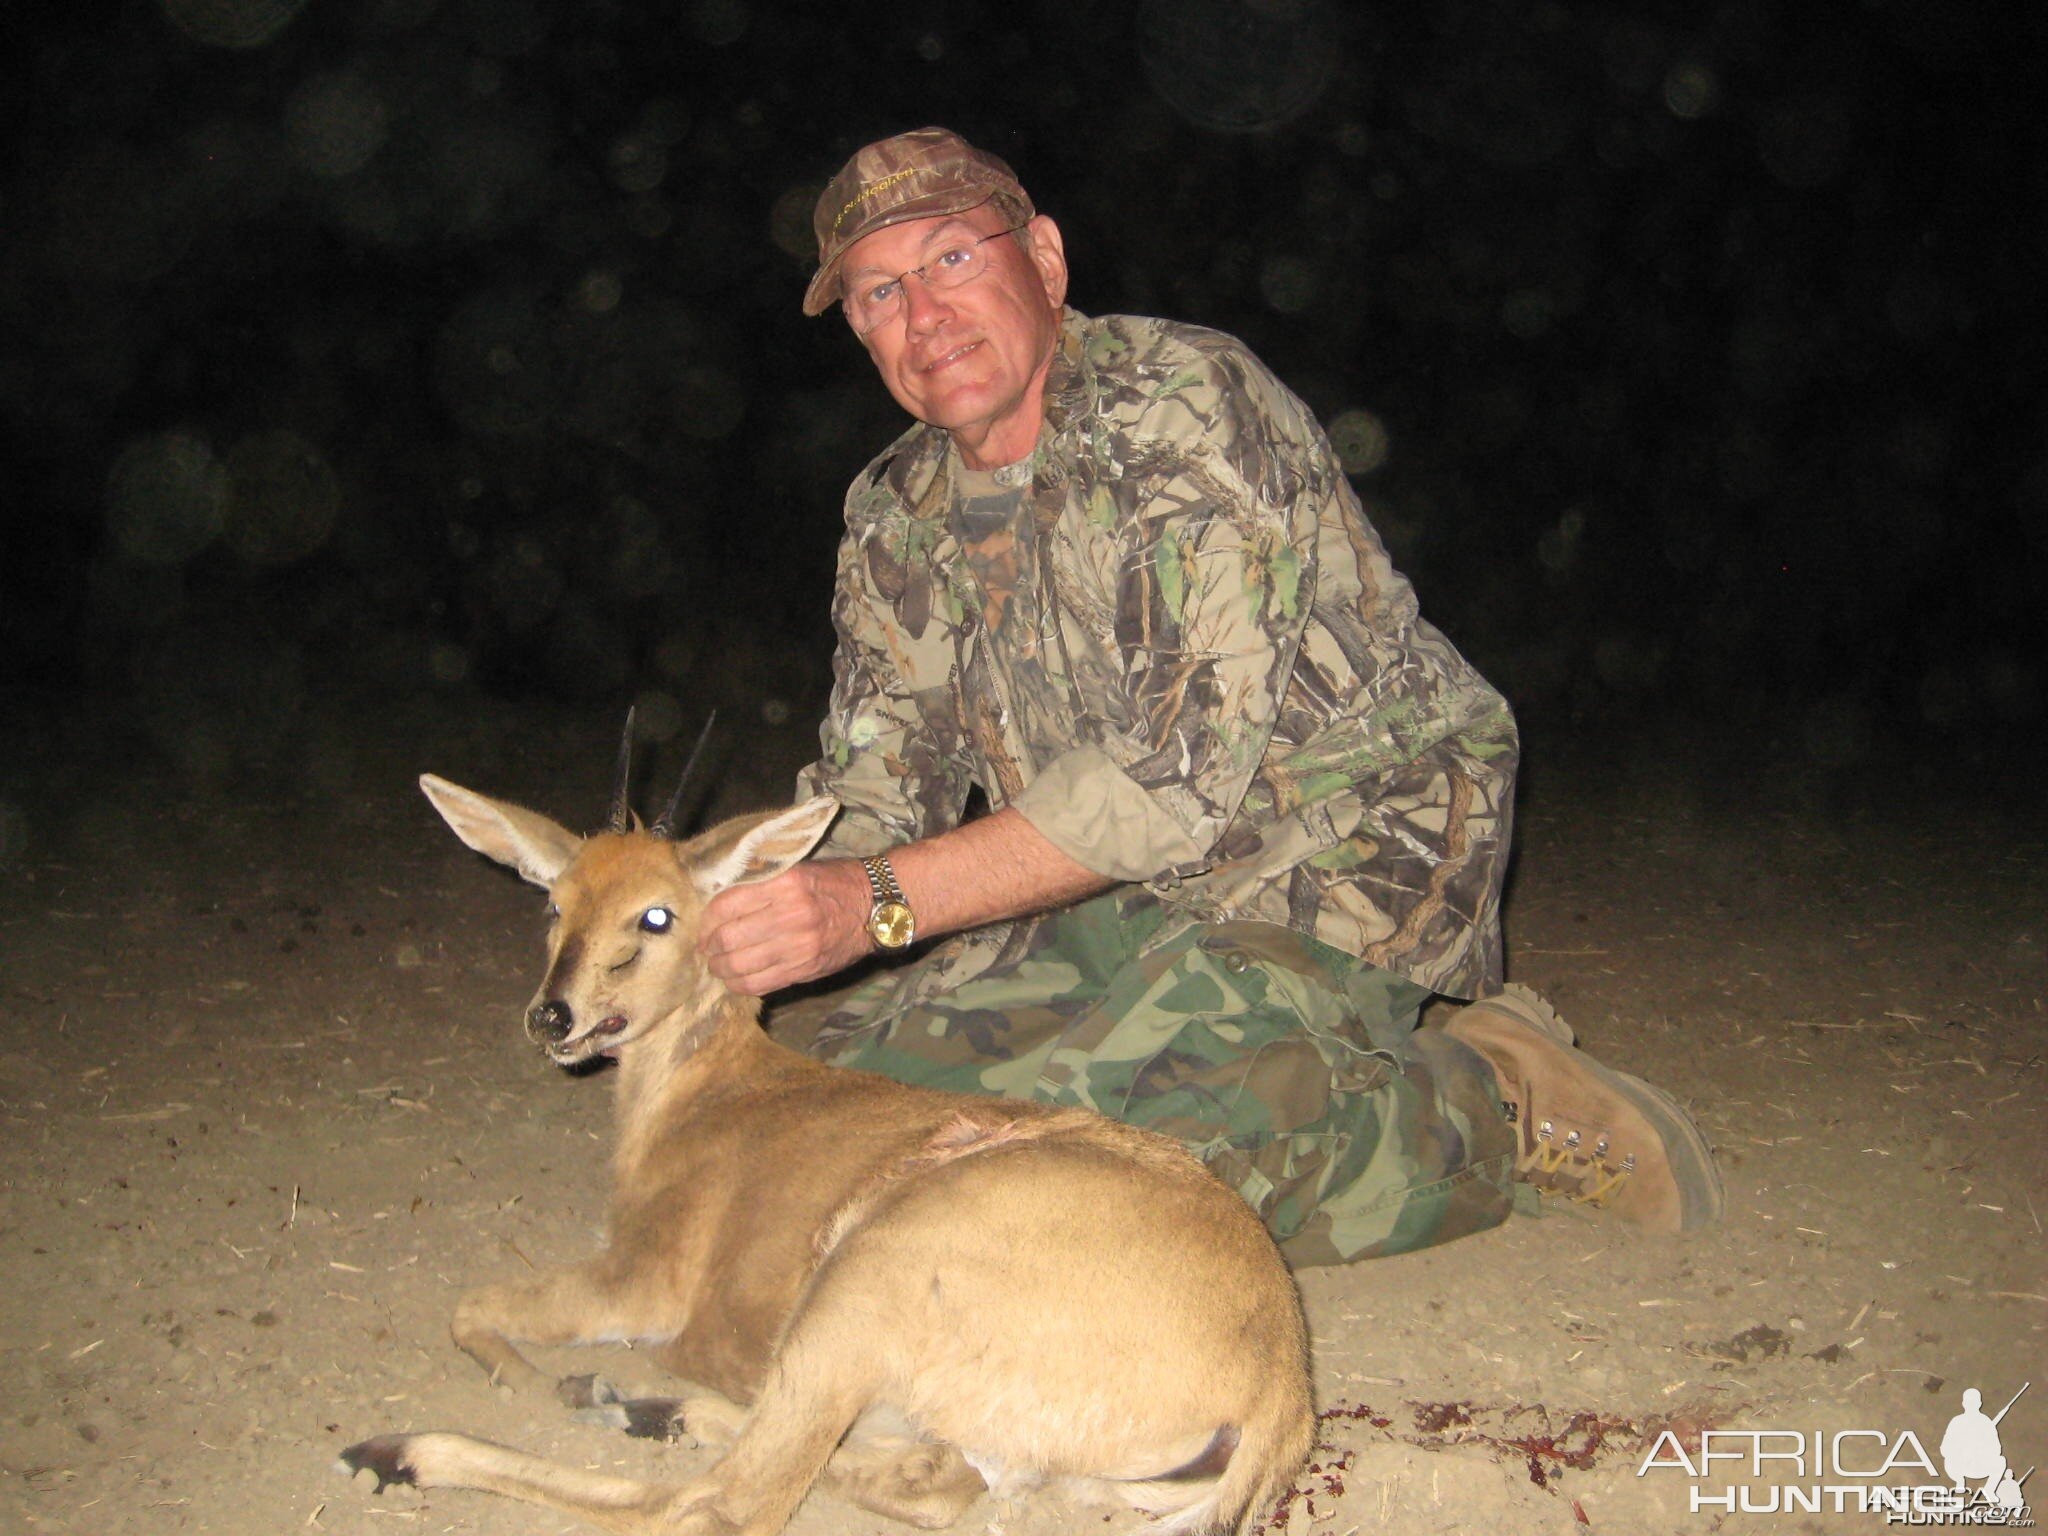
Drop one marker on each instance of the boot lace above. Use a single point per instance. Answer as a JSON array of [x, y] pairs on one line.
[[1561, 1162]]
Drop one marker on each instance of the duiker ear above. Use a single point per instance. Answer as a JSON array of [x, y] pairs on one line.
[[526, 840], [753, 848]]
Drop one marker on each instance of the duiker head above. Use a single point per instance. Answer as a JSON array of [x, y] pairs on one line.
[[623, 909]]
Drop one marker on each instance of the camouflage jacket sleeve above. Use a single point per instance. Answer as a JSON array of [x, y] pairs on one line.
[[891, 751]]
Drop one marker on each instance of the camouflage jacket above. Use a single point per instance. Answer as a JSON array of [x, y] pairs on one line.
[[1193, 666]]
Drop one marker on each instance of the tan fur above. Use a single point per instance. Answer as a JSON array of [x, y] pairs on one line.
[[1032, 1293]]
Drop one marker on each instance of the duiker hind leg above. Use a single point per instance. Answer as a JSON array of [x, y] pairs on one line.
[[882, 1465], [828, 1373], [920, 1482], [784, 1446]]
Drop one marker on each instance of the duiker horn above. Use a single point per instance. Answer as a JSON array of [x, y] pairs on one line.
[[665, 823], [621, 819]]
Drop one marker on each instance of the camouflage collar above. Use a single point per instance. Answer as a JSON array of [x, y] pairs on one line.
[[1070, 383], [915, 471]]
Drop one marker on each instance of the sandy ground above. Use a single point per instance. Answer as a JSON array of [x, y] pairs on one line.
[[268, 1108]]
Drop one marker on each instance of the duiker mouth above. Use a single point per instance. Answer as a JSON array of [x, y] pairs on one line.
[[551, 1025], [601, 1039]]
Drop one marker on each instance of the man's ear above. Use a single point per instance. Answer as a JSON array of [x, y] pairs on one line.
[[1049, 255]]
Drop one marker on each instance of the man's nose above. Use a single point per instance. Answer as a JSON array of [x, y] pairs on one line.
[[924, 307]]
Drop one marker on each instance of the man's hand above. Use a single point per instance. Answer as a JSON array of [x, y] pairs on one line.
[[805, 923], [813, 920]]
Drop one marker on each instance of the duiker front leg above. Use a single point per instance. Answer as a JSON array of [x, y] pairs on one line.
[[712, 1421], [619, 1504], [585, 1304]]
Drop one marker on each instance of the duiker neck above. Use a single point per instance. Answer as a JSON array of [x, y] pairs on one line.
[[706, 1040]]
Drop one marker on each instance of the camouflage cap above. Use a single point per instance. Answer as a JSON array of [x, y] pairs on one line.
[[916, 175]]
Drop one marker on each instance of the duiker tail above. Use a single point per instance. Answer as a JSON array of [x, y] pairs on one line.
[[1268, 1455]]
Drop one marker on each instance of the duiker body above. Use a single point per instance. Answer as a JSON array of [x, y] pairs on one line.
[[975, 1288]]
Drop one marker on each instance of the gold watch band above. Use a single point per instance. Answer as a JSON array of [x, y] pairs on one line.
[[891, 924]]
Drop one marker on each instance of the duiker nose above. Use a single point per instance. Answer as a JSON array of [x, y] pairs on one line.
[[549, 1023]]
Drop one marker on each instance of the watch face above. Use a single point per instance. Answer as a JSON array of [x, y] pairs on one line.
[[891, 924]]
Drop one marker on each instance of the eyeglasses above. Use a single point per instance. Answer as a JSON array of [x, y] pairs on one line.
[[877, 300]]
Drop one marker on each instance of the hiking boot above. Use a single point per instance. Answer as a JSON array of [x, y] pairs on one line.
[[1585, 1131]]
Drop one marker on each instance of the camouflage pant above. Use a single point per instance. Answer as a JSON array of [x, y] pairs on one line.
[[1293, 1070]]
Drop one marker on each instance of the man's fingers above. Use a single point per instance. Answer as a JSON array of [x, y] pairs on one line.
[[775, 933], [744, 915], [757, 958], [737, 901]]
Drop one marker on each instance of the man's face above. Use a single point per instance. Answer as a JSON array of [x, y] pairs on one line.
[[973, 359]]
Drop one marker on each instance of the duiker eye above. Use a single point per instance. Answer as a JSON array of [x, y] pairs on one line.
[[657, 920]]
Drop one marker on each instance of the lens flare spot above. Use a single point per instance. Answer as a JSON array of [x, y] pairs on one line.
[[167, 498], [1360, 439], [1289, 284], [335, 124], [283, 498], [232, 23], [1691, 89]]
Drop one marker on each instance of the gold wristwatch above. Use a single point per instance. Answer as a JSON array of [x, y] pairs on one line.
[[891, 924]]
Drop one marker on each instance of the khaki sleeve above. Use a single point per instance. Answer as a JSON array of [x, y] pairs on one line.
[[1212, 593], [1098, 816]]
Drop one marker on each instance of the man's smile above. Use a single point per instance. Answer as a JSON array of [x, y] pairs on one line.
[[949, 357]]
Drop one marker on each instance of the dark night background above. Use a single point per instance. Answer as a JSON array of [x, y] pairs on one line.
[[1689, 356]]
